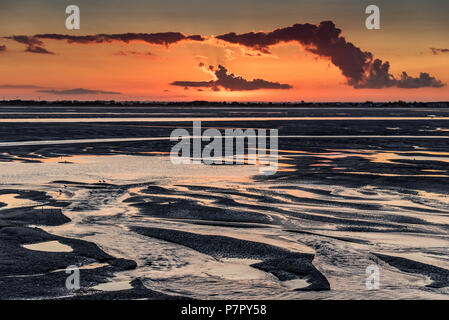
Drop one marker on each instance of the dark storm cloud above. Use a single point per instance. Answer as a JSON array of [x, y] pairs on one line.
[[33, 45], [325, 40], [437, 51], [230, 82], [78, 91], [163, 38]]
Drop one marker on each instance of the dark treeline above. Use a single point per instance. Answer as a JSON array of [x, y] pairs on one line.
[[200, 103]]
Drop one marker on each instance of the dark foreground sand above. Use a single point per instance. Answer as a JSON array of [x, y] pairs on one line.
[[28, 274]]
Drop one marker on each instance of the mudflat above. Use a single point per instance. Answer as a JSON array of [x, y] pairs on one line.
[[355, 187]]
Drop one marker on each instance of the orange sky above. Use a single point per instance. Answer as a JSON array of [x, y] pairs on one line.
[[137, 75]]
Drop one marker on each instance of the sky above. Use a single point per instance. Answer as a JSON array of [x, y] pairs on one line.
[[245, 50]]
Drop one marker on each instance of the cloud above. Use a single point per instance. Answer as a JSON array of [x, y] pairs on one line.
[[230, 82], [33, 45], [2, 48], [424, 80], [34, 49], [378, 76], [359, 67], [29, 41], [437, 51], [36, 45], [78, 91], [325, 40], [20, 86], [162, 38], [134, 53], [40, 89]]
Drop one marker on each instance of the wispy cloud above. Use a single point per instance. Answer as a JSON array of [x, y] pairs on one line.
[[78, 91], [33, 45], [2, 48], [146, 54], [437, 51], [20, 86], [161, 38]]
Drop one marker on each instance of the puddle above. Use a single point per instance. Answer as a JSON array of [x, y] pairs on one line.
[[114, 286], [236, 269], [301, 193], [387, 156], [91, 266], [295, 284], [118, 167], [48, 246], [85, 267], [12, 201]]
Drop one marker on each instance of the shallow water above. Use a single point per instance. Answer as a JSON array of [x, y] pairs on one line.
[[214, 119], [113, 286], [331, 201], [49, 246], [105, 219], [12, 201]]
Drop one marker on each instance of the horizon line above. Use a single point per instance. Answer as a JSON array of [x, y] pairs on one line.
[[219, 102]]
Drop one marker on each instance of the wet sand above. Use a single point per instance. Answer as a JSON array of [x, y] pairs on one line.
[[335, 206]]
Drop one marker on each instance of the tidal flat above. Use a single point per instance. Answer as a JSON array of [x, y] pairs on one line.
[[355, 187]]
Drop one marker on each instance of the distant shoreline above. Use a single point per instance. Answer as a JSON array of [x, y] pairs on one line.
[[200, 103]]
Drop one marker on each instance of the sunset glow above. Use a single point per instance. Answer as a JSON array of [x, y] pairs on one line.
[[138, 70]]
